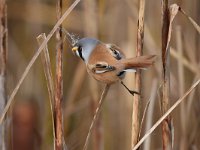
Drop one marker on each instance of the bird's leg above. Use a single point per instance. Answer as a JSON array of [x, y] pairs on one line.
[[132, 92]]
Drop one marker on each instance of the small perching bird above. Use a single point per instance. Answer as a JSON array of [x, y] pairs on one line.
[[106, 62]]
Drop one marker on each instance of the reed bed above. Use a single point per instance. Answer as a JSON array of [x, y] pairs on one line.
[[59, 105]]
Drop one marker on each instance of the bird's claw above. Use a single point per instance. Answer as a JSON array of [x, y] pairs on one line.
[[134, 92]]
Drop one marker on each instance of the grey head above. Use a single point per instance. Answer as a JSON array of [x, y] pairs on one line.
[[84, 47]]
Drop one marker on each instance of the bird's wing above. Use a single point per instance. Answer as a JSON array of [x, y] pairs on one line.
[[115, 51], [101, 67]]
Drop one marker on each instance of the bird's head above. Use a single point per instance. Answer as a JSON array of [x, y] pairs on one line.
[[83, 48]]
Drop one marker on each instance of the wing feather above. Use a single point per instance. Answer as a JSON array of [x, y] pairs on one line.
[[101, 67], [115, 51]]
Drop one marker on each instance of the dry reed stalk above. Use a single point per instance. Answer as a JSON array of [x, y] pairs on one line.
[[152, 46], [3, 62], [148, 133], [168, 15], [45, 58], [32, 61], [136, 98], [149, 118], [166, 124], [58, 83], [103, 95]]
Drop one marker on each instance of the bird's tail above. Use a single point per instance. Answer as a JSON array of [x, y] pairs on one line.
[[140, 62]]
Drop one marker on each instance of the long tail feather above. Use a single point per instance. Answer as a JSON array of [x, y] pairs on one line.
[[139, 62]]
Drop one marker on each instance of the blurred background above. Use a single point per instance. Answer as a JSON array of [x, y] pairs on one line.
[[111, 21]]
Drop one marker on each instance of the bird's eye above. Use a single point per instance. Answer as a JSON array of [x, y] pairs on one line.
[[80, 48]]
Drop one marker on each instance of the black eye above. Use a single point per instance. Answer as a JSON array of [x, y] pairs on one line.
[[80, 49]]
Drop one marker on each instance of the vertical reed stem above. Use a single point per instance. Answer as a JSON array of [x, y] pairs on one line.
[[136, 99], [59, 82], [166, 124]]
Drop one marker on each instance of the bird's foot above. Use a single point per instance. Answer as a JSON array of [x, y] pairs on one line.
[[132, 92]]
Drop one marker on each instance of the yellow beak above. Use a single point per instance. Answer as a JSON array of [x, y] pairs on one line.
[[74, 49]]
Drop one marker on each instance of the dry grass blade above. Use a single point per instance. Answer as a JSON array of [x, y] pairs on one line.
[[196, 26], [10, 100], [136, 99], [165, 115], [48, 74], [105, 91]]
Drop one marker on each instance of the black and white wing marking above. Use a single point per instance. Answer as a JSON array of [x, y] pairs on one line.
[[101, 67], [115, 51]]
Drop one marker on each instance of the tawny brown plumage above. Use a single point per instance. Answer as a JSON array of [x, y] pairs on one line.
[[101, 55], [140, 62]]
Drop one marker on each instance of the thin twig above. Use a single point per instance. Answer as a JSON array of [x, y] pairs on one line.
[[105, 90], [165, 115], [10, 100], [49, 77]]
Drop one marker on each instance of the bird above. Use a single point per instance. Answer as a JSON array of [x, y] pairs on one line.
[[107, 63]]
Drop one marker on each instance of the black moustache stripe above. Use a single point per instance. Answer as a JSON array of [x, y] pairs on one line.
[[80, 54]]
